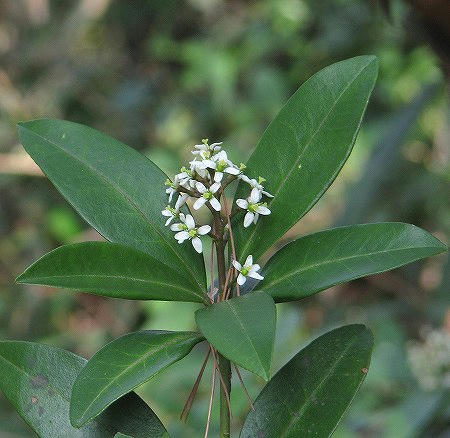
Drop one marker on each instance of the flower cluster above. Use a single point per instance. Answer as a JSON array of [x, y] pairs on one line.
[[204, 180]]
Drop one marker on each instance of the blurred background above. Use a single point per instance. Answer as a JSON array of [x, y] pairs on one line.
[[161, 75]]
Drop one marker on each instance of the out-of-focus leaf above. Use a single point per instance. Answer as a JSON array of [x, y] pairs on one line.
[[37, 380], [309, 395], [243, 330], [386, 168], [122, 365], [321, 260], [112, 270], [115, 188], [304, 148]]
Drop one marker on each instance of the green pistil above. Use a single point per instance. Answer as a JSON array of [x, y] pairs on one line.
[[244, 272], [184, 227], [221, 166], [193, 233], [208, 195], [253, 207]]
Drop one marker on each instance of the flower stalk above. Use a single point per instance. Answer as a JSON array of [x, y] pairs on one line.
[[203, 184]]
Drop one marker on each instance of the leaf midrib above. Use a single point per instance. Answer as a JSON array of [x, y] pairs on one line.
[[115, 277], [312, 395], [119, 191], [335, 261], [245, 331], [308, 143], [133, 364]]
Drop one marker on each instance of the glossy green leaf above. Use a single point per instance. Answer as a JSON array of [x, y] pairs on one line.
[[304, 148], [116, 189], [309, 395], [321, 260], [122, 365], [112, 270], [243, 330], [37, 380]]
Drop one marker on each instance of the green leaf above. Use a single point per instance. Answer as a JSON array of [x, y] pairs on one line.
[[122, 365], [321, 260], [37, 380], [304, 148], [243, 330], [112, 270], [117, 190], [309, 395]]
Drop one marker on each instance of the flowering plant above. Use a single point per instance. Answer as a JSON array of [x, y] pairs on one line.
[[155, 252]]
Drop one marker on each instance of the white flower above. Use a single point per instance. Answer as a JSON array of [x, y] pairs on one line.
[[255, 184], [248, 270], [207, 196], [171, 213], [183, 178], [188, 231], [171, 189], [205, 150], [220, 163], [253, 206], [181, 200], [198, 167]]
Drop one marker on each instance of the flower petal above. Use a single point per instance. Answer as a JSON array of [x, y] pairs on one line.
[[199, 203], [255, 196], [176, 227], [215, 204], [182, 236], [263, 210], [241, 279], [267, 194], [242, 203], [237, 265], [218, 176], [214, 187], [197, 244], [244, 178], [190, 222], [210, 163], [200, 187], [254, 268], [248, 261], [248, 219], [204, 229], [168, 221], [232, 170], [181, 200], [256, 218], [255, 275], [221, 156]]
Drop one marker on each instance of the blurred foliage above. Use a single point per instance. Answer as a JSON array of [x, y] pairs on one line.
[[160, 75]]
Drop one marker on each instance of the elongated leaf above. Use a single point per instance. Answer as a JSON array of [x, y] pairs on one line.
[[115, 188], [309, 395], [37, 380], [122, 365], [243, 330], [318, 261], [304, 148], [112, 270]]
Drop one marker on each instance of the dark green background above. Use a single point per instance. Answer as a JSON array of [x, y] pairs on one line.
[[160, 76]]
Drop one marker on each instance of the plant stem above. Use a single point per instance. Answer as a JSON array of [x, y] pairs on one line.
[[224, 364], [225, 369]]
